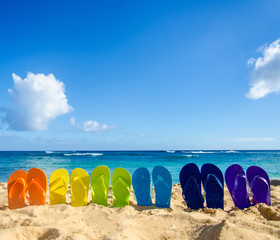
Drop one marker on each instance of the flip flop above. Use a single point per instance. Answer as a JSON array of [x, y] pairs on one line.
[[37, 186], [17, 185], [163, 185], [190, 181], [141, 182], [213, 184], [58, 185], [260, 185], [100, 180], [121, 184], [237, 186], [79, 185]]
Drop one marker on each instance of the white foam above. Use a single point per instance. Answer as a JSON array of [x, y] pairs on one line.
[[190, 155], [170, 151], [83, 154], [231, 151], [48, 151]]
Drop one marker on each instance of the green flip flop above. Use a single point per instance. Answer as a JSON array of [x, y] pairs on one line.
[[121, 185], [100, 180]]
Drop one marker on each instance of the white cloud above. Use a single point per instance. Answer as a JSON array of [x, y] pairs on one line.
[[265, 75], [251, 61], [90, 126], [38, 99]]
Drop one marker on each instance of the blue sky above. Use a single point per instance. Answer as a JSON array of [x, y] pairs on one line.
[[151, 75]]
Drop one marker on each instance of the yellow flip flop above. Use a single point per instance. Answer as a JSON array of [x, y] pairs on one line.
[[58, 185], [79, 184]]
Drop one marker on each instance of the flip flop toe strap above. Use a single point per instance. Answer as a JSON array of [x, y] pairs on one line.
[[239, 195], [18, 181], [55, 182], [99, 188], [33, 182], [121, 188], [212, 178], [187, 192], [79, 180], [160, 179], [257, 180]]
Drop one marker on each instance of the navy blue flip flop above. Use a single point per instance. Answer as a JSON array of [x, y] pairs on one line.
[[213, 184], [190, 181]]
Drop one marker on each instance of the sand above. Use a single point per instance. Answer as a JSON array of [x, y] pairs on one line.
[[134, 222]]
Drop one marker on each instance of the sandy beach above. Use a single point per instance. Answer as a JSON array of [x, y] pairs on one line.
[[134, 222]]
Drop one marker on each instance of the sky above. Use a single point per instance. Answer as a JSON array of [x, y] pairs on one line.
[[139, 75]]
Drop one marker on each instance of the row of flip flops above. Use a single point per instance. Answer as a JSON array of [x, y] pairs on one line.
[[35, 184], [212, 181], [33, 187]]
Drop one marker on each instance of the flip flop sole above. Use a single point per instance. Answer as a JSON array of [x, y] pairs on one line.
[[37, 186], [236, 183], [79, 185], [163, 186], [100, 181], [213, 183], [121, 185], [58, 184], [260, 185], [17, 185], [141, 182], [190, 180]]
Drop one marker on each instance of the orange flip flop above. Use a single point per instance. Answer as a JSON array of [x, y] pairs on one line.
[[17, 185], [37, 186]]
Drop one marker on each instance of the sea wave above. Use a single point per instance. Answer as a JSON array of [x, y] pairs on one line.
[[201, 152], [83, 154], [231, 151], [190, 155], [48, 151], [170, 151]]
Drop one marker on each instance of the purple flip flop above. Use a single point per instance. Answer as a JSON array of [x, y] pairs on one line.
[[260, 185], [237, 185]]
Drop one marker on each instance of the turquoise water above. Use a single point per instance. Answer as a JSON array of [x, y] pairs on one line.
[[172, 160]]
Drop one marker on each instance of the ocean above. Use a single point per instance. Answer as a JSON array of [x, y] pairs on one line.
[[49, 161]]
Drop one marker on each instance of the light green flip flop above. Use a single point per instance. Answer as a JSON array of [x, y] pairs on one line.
[[100, 180], [121, 184]]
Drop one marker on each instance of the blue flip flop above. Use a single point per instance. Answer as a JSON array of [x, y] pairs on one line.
[[190, 181], [260, 185], [213, 184], [237, 186], [141, 182], [163, 185]]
